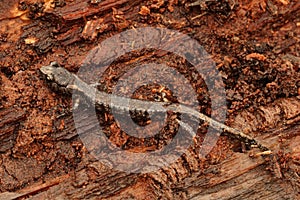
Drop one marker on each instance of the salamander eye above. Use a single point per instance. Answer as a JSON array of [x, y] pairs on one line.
[[54, 64]]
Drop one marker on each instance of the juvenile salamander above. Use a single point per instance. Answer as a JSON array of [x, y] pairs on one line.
[[68, 82]]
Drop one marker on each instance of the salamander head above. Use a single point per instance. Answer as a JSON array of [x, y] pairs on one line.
[[57, 74]]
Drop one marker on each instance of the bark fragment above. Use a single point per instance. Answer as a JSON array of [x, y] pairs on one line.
[[10, 119]]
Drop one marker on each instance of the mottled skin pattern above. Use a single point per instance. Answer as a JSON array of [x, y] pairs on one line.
[[58, 77], [66, 82]]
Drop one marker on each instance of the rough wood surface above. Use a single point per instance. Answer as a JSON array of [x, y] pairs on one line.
[[255, 47], [238, 177]]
